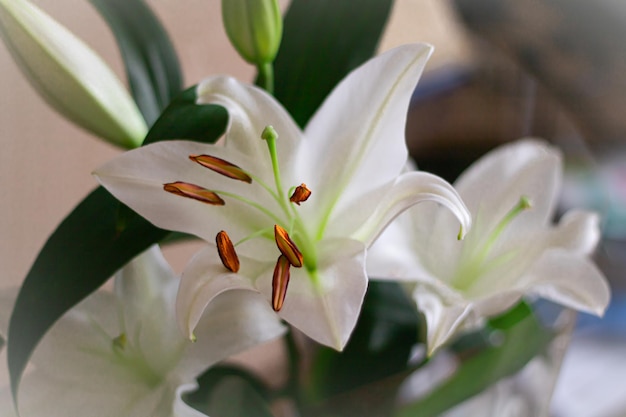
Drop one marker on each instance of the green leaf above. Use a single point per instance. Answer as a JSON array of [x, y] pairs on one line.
[[323, 40], [520, 343], [151, 64], [88, 247], [228, 391], [183, 119], [380, 345]]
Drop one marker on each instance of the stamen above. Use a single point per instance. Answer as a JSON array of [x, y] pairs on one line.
[[195, 192], [287, 247], [222, 167], [301, 194], [280, 282], [226, 251]]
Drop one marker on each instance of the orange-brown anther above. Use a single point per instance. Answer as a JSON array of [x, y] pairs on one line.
[[226, 251], [287, 247], [196, 192], [300, 194], [221, 167], [280, 282]]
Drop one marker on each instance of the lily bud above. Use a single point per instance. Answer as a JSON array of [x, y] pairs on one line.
[[254, 27], [71, 77]]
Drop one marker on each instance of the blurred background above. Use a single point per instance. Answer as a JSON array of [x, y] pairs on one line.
[[502, 70]]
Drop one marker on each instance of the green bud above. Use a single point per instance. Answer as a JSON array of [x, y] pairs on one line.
[[254, 27], [71, 77]]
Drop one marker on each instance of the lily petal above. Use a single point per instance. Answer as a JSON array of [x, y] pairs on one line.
[[369, 150], [578, 231], [250, 110], [203, 280], [181, 409], [409, 189], [569, 279], [226, 329], [137, 178], [444, 317], [525, 168], [326, 306]]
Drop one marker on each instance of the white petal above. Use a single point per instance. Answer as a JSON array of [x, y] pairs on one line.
[[233, 322], [362, 121], [204, 279], [493, 185], [409, 189], [578, 231], [444, 312], [137, 177], [569, 279], [326, 310], [181, 409], [392, 256], [250, 110]]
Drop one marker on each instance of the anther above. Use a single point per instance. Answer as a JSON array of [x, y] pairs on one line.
[[222, 167], [280, 281], [226, 251], [287, 247], [195, 192], [300, 194]]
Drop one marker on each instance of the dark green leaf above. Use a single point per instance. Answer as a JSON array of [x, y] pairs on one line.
[[227, 391], [78, 258], [323, 40], [379, 346], [520, 343], [88, 246], [149, 57], [183, 119]]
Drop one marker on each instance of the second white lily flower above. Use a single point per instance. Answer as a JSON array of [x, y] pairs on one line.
[[302, 246], [512, 251]]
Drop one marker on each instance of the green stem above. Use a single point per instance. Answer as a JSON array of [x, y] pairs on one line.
[[265, 79]]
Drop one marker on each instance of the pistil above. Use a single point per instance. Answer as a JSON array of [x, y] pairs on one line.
[[472, 263]]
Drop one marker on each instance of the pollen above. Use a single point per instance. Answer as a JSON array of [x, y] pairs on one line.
[[222, 167], [280, 282], [195, 192], [226, 251], [287, 247], [300, 194]]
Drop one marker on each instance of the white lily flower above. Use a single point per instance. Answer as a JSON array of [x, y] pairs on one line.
[[69, 75], [350, 157], [513, 249], [122, 354]]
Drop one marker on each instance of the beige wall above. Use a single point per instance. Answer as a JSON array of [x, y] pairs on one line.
[[45, 162]]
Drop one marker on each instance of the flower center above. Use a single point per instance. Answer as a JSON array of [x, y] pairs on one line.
[[292, 239], [475, 260]]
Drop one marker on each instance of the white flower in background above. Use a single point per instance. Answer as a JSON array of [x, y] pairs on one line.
[[301, 207], [122, 354], [513, 249], [72, 78]]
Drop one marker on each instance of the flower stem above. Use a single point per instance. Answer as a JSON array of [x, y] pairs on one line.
[[265, 79]]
